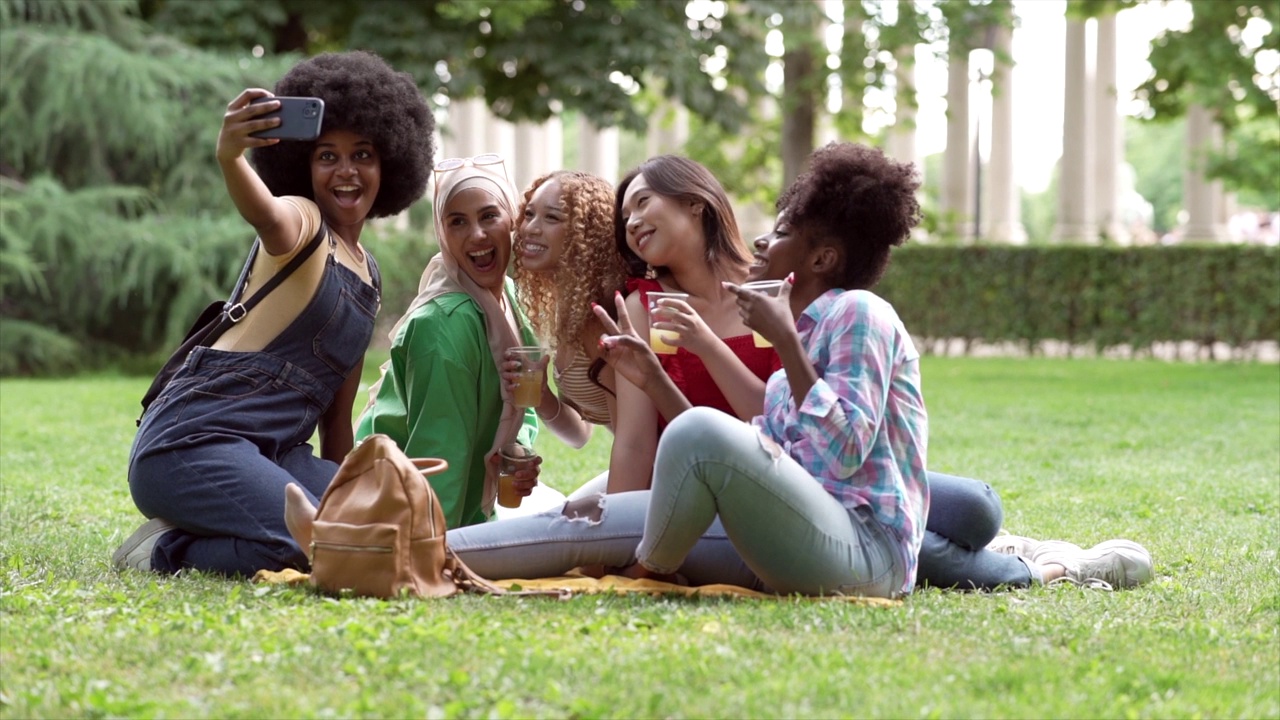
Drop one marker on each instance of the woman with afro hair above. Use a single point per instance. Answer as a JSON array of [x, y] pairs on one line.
[[827, 490], [216, 449]]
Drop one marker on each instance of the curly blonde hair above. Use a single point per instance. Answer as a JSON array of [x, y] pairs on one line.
[[558, 303]]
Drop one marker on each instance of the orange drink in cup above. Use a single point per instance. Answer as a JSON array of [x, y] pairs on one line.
[[528, 390], [511, 458], [770, 288], [657, 313]]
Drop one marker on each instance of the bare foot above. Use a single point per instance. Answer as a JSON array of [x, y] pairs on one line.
[[593, 571], [299, 516]]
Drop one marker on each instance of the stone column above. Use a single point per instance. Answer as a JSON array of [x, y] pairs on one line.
[[553, 137], [538, 150], [957, 177], [1006, 205], [1110, 136], [901, 142], [1203, 198], [500, 138], [1076, 221], [598, 149], [466, 136], [528, 159], [668, 130]]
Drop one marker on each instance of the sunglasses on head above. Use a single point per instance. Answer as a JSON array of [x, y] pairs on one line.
[[476, 161]]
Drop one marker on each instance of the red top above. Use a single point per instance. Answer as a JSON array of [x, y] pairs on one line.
[[692, 377]]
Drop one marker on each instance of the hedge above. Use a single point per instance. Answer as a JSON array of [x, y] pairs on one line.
[[1087, 295]]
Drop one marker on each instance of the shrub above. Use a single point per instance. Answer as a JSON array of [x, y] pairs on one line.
[[1103, 296]]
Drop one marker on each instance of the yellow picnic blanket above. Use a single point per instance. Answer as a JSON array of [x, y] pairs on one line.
[[581, 584]]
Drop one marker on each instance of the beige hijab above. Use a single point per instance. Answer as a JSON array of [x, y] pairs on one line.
[[443, 275]]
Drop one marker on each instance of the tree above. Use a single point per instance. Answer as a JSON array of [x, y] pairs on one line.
[[511, 52], [1225, 60], [112, 205], [1159, 180]]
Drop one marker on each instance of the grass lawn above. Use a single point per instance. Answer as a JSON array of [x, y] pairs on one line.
[[1183, 458]]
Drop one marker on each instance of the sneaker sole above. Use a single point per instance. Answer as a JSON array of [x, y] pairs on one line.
[[120, 558], [1135, 561]]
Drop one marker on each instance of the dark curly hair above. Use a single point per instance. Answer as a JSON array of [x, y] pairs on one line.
[[364, 95], [858, 200], [679, 177]]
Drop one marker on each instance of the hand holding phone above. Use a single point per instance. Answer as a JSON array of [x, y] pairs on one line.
[[300, 118]]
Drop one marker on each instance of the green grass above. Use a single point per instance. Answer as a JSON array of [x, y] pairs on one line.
[[1183, 458]]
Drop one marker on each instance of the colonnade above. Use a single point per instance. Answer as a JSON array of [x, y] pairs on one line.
[[1092, 135]]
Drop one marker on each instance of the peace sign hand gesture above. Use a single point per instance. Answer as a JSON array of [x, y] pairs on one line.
[[624, 349]]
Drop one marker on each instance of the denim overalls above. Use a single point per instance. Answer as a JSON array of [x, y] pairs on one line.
[[217, 448]]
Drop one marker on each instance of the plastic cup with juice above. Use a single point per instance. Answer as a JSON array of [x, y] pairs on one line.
[[511, 458], [770, 288], [528, 390], [657, 313]]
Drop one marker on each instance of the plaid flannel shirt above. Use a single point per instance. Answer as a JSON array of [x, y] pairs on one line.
[[862, 431]]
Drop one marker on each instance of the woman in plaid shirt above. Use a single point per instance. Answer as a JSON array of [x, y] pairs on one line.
[[826, 491]]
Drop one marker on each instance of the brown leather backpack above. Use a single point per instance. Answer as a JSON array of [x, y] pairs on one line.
[[379, 530]]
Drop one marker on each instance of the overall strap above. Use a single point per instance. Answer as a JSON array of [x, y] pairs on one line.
[[235, 311], [215, 320], [374, 273]]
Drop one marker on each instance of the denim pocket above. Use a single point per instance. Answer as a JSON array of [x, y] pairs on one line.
[[343, 339], [878, 559], [234, 383]]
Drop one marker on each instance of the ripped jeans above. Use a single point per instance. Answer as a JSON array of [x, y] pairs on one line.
[[591, 530], [785, 533], [550, 544]]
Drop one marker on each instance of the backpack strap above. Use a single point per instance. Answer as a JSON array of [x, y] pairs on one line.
[[469, 582]]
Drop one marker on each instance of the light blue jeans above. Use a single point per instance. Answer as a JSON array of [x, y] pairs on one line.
[[722, 510], [791, 532], [552, 543], [964, 515]]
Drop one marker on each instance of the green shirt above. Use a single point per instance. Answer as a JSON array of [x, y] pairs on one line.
[[442, 398]]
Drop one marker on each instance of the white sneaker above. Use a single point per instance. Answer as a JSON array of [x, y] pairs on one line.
[[1113, 564], [135, 551], [1014, 545]]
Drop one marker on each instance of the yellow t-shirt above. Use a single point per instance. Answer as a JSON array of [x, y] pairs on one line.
[[284, 304]]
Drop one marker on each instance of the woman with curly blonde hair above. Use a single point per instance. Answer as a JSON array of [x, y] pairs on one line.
[[565, 261]]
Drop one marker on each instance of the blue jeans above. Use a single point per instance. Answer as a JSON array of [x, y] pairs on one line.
[[825, 548], [217, 448], [964, 516], [788, 529]]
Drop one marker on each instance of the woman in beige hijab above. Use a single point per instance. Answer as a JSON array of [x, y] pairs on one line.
[[441, 394]]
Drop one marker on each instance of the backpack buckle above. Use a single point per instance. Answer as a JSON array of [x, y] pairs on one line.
[[237, 312]]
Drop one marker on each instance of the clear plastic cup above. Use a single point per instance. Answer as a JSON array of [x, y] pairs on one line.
[[770, 288], [657, 313], [528, 389], [512, 457]]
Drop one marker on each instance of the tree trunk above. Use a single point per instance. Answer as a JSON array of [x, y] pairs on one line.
[[292, 36], [799, 109]]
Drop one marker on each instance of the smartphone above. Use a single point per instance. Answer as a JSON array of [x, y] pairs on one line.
[[300, 118]]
